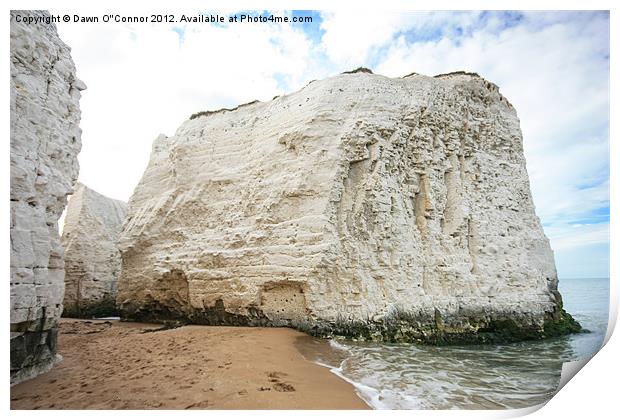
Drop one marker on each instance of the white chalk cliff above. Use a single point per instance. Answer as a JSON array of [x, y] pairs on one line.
[[45, 142], [361, 205], [92, 259]]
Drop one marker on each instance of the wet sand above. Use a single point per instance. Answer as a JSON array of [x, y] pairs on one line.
[[119, 365]]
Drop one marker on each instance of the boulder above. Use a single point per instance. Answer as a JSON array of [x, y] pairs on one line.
[[365, 206]]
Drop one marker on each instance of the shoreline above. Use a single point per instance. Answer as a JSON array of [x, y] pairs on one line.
[[125, 365]]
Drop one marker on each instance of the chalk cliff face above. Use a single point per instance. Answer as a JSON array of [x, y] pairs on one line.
[[92, 259], [45, 141], [393, 209]]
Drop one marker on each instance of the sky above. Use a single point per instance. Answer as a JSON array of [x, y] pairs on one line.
[[146, 79]]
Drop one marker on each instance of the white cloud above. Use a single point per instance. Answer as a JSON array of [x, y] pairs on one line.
[[567, 236], [351, 39], [570, 184], [143, 81]]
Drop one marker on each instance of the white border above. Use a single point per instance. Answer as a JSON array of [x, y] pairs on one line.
[[593, 393]]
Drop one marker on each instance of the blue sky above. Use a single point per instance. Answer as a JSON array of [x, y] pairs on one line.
[[552, 66]]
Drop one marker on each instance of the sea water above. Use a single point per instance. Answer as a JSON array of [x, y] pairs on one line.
[[406, 376]]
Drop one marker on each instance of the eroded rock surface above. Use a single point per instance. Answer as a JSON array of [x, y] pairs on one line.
[[45, 142], [92, 259], [393, 209]]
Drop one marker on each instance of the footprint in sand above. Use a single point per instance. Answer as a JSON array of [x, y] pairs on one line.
[[200, 404], [283, 387], [278, 385]]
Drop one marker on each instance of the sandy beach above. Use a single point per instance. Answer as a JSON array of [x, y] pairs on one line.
[[119, 365]]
